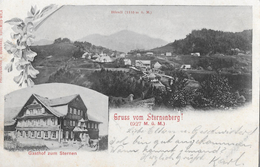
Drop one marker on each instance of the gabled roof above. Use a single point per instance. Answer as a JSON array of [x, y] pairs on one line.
[[46, 102], [51, 104], [62, 100]]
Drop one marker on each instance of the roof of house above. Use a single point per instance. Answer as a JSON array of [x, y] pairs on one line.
[[62, 100], [50, 103], [55, 106], [143, 61]]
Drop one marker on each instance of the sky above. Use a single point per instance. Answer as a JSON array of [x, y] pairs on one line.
[[165, 22]]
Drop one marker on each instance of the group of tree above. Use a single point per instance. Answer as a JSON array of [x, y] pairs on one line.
[[214, 92], [208, 41], [62, 40], [216, 63], [62, 75], [117, 83]]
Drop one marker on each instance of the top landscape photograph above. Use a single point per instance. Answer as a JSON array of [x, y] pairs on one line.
[[173, 57]]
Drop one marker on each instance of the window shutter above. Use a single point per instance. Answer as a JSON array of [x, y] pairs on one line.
[[57, 134], [49, 134]]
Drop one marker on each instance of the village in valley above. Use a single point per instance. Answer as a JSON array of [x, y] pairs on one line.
[[163, 77]]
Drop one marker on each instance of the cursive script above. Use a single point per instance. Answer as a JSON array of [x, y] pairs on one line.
[[198, 145]]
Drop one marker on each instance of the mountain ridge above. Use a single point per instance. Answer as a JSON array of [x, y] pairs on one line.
[[124, 40]]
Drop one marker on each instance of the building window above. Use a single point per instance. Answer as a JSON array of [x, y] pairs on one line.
[[78, 112], [39, 111], [92, 125], [70, 110], [52, 121], [53, 134], [70, 123], [34, 111], [88, 125], [19, 133], [37, 122], [75, 111], [25, 133], [43, 110], [64, 122], [45, 134], [44, 121], [32, 134], [32, 122], [81, 113], [31, 112], [96, 126], [67, 134], [72, 135], [29, 122], [39, 134]]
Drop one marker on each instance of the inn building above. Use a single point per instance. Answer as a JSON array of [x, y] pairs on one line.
[[63, 118]]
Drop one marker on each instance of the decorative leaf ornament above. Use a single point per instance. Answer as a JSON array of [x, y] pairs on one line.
[[23, 36]]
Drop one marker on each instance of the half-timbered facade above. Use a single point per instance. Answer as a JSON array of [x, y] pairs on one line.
[[64, 118]]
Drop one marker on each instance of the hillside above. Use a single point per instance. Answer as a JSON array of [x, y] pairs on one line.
[[54, 54], [124, 41], [208, 41]]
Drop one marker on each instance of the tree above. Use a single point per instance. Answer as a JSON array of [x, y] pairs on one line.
[[215, 92], [175, 96], [58, 40], [79, 52], [66, 40]]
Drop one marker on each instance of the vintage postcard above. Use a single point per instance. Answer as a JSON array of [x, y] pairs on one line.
[[129, 84]]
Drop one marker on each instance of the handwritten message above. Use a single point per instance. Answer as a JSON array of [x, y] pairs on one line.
[[180, 145]]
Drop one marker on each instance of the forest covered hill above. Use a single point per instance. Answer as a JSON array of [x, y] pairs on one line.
[[207, 41]]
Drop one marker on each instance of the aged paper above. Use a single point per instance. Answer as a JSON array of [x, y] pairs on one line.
[[129, 83]]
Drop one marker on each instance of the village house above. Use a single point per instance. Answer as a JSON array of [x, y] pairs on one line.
[[195, 54], [157, 65], [168, 54], [186, 66], [122, 55], [85, 55], [149, 53], [143, 63], [138, 54], [102, 58], [64, 118], [127, 62]]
